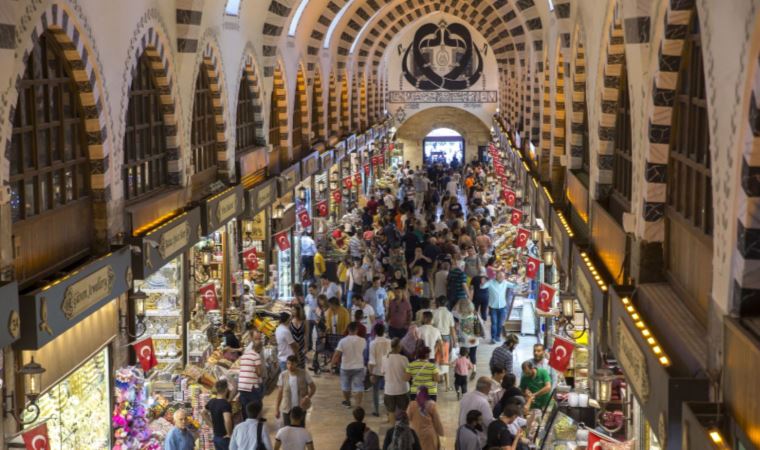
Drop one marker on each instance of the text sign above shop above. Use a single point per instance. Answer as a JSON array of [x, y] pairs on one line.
[[222, 207], [351, 143], [340, 151], [10, 321], [361, 141], [632, 360], [327, 159], [310, 165], [262, 196], [164, 243], [289, 179], [48, 312], [583, 291]]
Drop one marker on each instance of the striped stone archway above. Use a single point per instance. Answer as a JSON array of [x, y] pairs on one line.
[[251, 74]]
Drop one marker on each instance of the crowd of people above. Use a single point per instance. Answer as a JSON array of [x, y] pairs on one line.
[[402, 317]]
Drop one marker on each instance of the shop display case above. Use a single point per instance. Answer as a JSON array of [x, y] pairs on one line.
[[561, 432], [284, 273], [77, 410], [163, 311]]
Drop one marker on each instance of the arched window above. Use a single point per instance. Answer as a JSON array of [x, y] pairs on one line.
[[245, 136], [49, 165], [203, 140], [689, 211], [145, 158], [622, 169]]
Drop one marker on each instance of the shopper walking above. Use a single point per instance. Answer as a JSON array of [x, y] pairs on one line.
[[179, 437], [252, 433], [286, 345], [422, 372], [502, 356], [497, 303], [294, 436], [401, 436], [296, 388], [424, 420], [396, 392], [471, 435], [399, 311], [379, 348], [298, 331], [218, 411], [350, 354], [250, 375], [478, 400]]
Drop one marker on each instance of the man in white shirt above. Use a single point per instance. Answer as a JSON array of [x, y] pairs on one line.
[[295, 436], [246, 435], [286, 345], [308, 250], [429, 334], [330, 289], [443, 320], [368, 318], [378, 350], [396, 392], [477, 399], [376, 296], [389, 200], [350, 353]]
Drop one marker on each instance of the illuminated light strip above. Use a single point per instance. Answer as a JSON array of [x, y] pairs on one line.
[[526, 166], [548, 195], [565, 224], [535, 183], [715, 436], [594, 273], [648, 337], [158, 223], [71, 274]]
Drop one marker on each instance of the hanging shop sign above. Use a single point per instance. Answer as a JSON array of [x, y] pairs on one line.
[[361, 142], [309, 165], [261, 196], [289, 179], [544, 204], [340, 151], [351, 143], [49, 311], [326, 160], [661, 381], [221, 208], [561, 238], [10, 320], [165, 242], [590, 290]]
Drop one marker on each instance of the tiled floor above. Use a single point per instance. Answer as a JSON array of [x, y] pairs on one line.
[[327, 419]]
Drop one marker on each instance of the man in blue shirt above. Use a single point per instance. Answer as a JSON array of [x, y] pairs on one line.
[[179, 437], [376, 296], [497, 303]]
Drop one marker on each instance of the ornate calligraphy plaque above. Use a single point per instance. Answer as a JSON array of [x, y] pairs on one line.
[[87, 292], [632, 360]]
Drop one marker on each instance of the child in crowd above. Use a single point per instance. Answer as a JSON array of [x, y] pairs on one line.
[[462, 369]]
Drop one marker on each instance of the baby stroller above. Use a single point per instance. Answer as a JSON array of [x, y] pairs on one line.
[[325, 345]]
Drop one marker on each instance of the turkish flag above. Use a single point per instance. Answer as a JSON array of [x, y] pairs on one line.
[[251, 259], [531, 267], [282, 240], [337, 195], [208, 294], [560, 354], [595, 440], [348, 183], [545, 296], [358, 178], [36, 438], [377, 160], [521, 240], [145, 354], [322, 209], [303, 216], [516, 217], [509, 197], [391, 147], [366, 169], [491, 148]]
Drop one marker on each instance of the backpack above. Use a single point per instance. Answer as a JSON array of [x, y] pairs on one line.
[[371, 440], [403, 439]]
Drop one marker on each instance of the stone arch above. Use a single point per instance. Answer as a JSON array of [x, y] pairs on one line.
[[362, 102], [614, 64], [665, 79], [317, 107], [65, 26], [544, 157], [355, 104], [300, 123], [558, 130], [251, 73], [333, 114], [578, 125], [278, 119], [277, 16], [345, 112]]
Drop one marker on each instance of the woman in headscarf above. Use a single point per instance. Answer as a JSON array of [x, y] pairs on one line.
[[424, 420], [401, 436], [409, 343]]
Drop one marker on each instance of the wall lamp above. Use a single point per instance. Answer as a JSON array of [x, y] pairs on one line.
[[32, 373]]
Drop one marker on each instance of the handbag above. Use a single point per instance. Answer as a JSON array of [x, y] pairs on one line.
[[478, 327]]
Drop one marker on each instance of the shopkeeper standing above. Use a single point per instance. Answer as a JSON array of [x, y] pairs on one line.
[[219, 412], [249, 378]]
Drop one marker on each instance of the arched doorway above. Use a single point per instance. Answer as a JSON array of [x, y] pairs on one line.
[[443, 145]]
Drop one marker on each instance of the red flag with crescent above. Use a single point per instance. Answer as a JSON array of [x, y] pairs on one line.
[[36, 438], [516, 217], [560, 354], [509, 197], [303, 216], [531, 267], [282, 240], [337, 196], [521, 240], [145, 354], [366, 169], [491, 148], [545, 296], [358, 178], [208, 294], [348, 183], [595, 440], [322, 209], [251, 258]]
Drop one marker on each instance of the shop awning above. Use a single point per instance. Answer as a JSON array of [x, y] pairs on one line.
[[310, 165], [48, 312], [260, 196], [220, 208], [9, 314], [289, 179]]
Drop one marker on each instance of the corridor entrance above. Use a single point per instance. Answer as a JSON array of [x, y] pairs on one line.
[[443, 145]]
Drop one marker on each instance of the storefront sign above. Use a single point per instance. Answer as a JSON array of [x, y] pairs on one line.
[[88, 291], [221, 208], [340, 150], [351, 143], [310, 165], [289, 179], [558, 241], [583, 292], [259, 228], [262, 196], [48, 312], [361, 141], [10, 324], [327, 159], [165, 242], [632, 360]]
